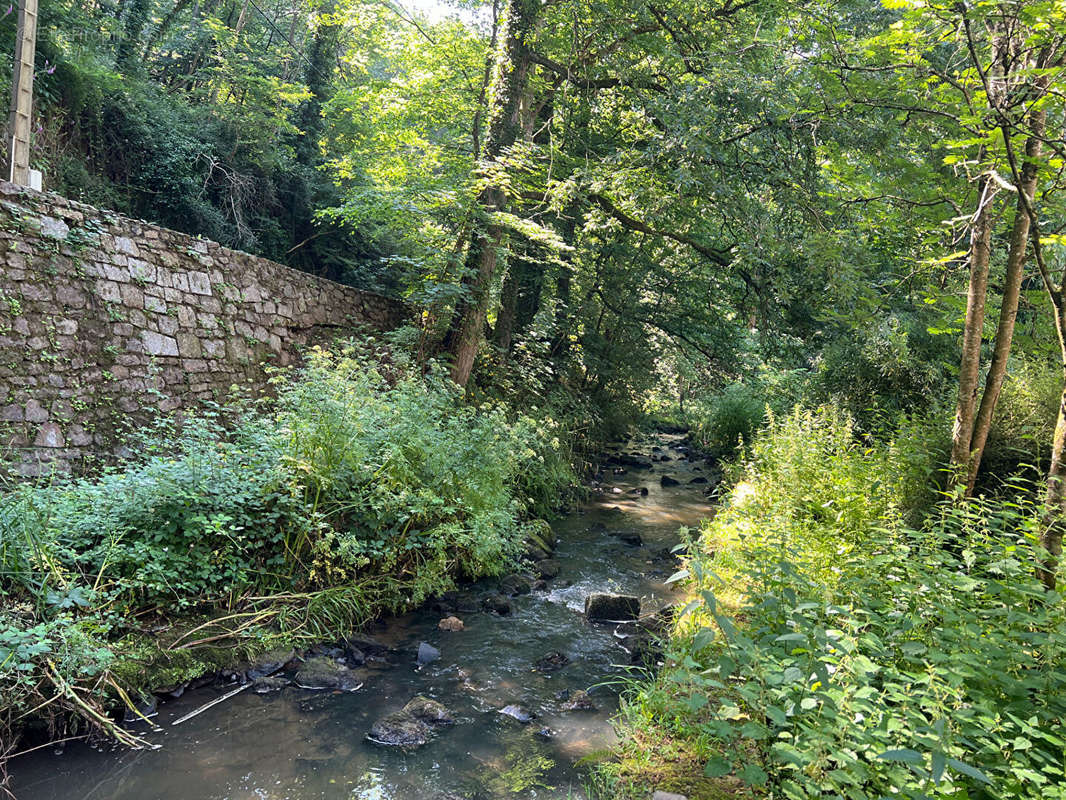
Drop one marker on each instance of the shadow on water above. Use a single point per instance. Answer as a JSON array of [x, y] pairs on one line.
[[298, 745]]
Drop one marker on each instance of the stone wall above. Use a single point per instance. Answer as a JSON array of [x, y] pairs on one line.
[[104, 319]]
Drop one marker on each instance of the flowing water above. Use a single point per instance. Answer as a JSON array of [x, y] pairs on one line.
[[298, 745]]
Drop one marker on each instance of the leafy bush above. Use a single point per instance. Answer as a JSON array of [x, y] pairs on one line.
[[896, 366], [832, 650], [728, 419], [357, 490], [1025, 417]]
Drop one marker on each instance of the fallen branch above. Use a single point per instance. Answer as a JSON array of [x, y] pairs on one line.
[[212, 704]]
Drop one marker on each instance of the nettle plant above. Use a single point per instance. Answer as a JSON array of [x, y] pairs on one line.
[[934, 667]]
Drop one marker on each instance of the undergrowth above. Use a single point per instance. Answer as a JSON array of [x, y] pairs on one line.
[[852, 635], [357, 490]]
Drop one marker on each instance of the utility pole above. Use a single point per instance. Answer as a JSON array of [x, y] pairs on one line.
[[22, 93]]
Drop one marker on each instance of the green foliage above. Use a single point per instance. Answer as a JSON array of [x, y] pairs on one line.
[[730, 418], [1024, 424], [357, 490], [891, 367], [865, 657]]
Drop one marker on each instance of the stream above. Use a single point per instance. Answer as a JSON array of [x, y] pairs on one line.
[[295, 744]]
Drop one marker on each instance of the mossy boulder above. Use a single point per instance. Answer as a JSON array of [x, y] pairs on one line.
[[323, 673], [412, 726], [540, 540]]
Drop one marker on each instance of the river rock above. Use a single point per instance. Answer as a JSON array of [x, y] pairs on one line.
[[412, 725], [452, 624], [515, 585], [367, 646], [267, 684], [643, 648], [429, 711], [548, 568], [699, 480], [520, 713], [540, 539], [611, 607], [666, 480], [270, 662], [632, 538], [497, 604], [427, 654], [578, 700], [399, 730], [552, 661], [321, 672], [668, 796]]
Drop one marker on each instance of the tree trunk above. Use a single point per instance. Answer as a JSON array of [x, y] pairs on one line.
[[970, 363], [508, 86], [1008, 314], [505, 317]]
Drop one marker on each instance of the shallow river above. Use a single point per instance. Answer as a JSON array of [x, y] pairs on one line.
[[298, 745]]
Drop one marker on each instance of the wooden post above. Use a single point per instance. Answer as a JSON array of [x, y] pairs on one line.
[[22, 93]]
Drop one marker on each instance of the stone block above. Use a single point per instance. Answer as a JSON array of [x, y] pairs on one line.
[[124, 244], [109, 291], [132, 297], [155, 304], [199, 283], [35, 412], [52, 228], [156, 344], [189, 345]]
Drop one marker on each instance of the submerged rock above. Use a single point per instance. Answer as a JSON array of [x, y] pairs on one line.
[[367, 646], [552, 661], [323, 673], [515, 585], [451, 624], [666, 480], [697, 481], [429, 710], [578, 700], [427, 653], [548, 568], [412, 725], [611, 607], [631, 538], [520, 713], [266, 684], [399, 730], [497, 604]]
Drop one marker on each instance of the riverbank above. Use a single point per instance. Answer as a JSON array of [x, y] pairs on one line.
[[296, 743], [855, 633], [359, 491]]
